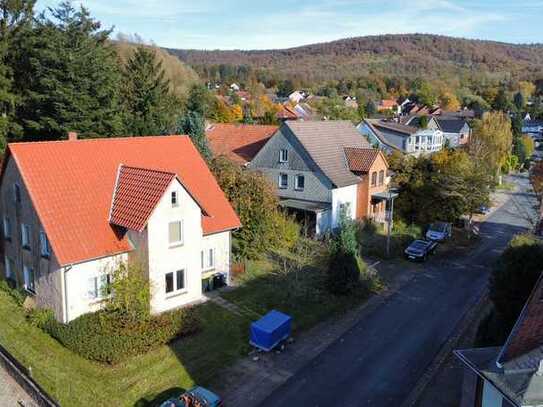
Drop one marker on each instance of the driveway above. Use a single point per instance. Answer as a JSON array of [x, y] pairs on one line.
[[379, 361], [11, 394]]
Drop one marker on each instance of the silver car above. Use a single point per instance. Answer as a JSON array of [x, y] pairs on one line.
[[439, 231]]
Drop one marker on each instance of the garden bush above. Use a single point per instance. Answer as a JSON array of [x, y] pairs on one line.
[[344, 273], [111, 337], [8, 286]]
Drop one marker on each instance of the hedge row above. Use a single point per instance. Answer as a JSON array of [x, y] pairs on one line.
[[110, 338]]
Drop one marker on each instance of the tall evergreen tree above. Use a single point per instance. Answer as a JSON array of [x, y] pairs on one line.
[[69, 77], [193, 124], [15, 17], [149, 106]]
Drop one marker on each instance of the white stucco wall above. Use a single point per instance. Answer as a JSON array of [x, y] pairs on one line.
[[342, 196], [164, 259], [221, 244], [76, 284], [323, 222]]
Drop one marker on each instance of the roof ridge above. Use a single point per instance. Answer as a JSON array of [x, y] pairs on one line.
[[173, 174], [94, 139]]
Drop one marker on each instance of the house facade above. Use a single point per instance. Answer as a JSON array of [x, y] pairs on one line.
[[69, 223], [307, 163], [510, 375], [456, 130], [391, 136]]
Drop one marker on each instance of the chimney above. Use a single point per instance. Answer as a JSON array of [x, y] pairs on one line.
[[72, 136]]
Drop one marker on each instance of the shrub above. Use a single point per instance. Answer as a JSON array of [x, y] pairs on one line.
[[344, 273], [40, 317], [287, 231], [344, 240], [112, 337], [514, 277], [8, 286]]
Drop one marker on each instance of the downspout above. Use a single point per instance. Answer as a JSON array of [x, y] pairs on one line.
[[64, 296]]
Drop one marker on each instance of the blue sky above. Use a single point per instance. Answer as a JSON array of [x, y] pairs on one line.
[[244, 24]]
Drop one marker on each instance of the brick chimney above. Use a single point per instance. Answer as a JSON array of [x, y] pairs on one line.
[[72, 136]]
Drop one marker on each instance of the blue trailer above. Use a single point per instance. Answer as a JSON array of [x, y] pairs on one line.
[[270, 330]]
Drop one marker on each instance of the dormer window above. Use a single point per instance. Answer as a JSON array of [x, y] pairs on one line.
[[174, 200], [283, 156]]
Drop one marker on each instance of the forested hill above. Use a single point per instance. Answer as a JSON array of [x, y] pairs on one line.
[[402, 55]]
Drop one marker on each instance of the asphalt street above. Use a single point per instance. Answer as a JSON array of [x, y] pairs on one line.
[[379, 361]]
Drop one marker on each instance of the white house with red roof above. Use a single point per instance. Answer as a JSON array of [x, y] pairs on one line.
[[73, 211]]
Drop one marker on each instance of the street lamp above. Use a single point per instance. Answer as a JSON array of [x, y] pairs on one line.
[[390, 196]]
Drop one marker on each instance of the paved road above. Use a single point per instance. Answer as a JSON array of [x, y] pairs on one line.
[[378, 362], [11, 394]]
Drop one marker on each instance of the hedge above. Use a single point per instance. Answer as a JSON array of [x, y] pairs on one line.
[[111, 338]]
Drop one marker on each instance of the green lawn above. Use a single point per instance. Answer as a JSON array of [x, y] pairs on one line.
[[297, 289], [74, 381]]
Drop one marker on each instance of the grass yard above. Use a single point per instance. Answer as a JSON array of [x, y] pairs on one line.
[[142, 380], [293, 284], [373, 240]]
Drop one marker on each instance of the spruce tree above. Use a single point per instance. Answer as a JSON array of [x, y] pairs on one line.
[[193, 124], [149, 106], [69, 77]]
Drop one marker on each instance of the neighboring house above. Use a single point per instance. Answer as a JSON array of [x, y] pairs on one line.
[[286, 113], [532, 127], [238, 142], [296, 96], [74, 210], [319, 167], [351, 102], [235, 87], [244, 95], [456, 131], [511, 375], [390, 136], [390, 105]]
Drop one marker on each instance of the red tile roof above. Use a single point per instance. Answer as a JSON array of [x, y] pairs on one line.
[[239, 142], [287, 113], [137, 193], [527, 334], [387, 104], [361, 159], [71, 185]]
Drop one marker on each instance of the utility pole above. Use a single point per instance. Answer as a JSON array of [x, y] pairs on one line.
[[390, 201]]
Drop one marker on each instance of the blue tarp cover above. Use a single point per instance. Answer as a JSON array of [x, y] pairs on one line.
[[271, 329]]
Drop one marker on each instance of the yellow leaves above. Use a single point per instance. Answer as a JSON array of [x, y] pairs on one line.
[[527, 89], [449, 102]]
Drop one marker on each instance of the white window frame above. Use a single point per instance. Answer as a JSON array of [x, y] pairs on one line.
[[175, 290], [25, 236], [30, 286], [174, 199], [181, 241], [7, 228], [297, 182], [281, 186], [45, 249], [208, 259], [283, 155], [97, 287]]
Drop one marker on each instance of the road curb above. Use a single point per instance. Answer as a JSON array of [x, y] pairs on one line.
[[22, 376], [470, 317]]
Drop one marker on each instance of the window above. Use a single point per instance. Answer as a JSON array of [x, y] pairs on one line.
[[381, 177], [175, 281], [283, 181], [7, 228], [175, 203], [175, 233], [100, 286], [283, 156], [299, 182], [207, 258], [17, 193], [45, 250], [8, 264], [373, 179], [25, 236], [28, 274]]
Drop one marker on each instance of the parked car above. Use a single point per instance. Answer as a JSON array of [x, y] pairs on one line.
[[483, 210], [439, 231], [420, 250], [195, 395]]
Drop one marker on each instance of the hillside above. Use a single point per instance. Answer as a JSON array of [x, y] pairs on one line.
[[402, 55]]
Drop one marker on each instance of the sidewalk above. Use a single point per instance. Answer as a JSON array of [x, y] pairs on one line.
[[11, 394], [254, 377]]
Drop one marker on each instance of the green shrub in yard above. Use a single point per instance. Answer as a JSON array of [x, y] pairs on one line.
[[40, 317], [8, 287], [110, 338], [344, 273]]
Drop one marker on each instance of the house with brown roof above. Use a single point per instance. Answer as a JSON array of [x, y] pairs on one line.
[[510, 375], [321, 167], [74, 210], [238, 142]]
